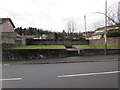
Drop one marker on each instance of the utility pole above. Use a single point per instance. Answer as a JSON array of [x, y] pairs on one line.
[[119, 12], [0, 32], [118, 21], [85, 25], [105, 32]]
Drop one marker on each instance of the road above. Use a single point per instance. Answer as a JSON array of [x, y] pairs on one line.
[[67, 75]]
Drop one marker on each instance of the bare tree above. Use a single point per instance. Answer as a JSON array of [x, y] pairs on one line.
[[113, 15], [98, 24], [71, 27]]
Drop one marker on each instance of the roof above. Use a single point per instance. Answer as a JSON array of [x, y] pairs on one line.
[[18, 35], [107, 27], [7, 19], [98, 33]]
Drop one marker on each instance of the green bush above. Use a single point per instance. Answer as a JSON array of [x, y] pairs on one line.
[[113, 33]]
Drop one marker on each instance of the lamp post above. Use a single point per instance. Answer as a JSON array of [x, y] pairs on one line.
[[85, 25], [105, 32], [119, 12]]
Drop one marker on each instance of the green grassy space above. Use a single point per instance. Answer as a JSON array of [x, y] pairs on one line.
[[38, 47], [62, 47], [96, 47]]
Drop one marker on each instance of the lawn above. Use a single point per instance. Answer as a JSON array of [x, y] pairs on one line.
[[38, 47], [62, 47], [96, 47]]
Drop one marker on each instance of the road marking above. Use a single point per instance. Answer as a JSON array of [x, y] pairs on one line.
[[115, 59], [88, 74], [10, 79], [6, 64]]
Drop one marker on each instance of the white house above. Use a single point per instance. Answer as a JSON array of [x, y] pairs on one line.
[[100, 31]]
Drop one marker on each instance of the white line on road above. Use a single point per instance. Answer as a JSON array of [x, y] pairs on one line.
[[115, 59], [6, 64], [88, 74], [10, 79]]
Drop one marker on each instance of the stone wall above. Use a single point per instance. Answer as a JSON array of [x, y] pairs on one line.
[[28, 54], [89, 52], [114, 41], [57, 42], [34, 54]]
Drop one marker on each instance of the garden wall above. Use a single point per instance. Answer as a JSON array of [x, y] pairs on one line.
[[28, 54], [88, 52], [114, 41], [57, 42], [33, 54]]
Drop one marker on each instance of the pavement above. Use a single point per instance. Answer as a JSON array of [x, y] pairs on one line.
[[77, 59]]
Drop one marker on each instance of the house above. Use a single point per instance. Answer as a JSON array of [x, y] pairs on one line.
[[7, 32], [43, 36], [99, 33], [19, 40], [9, 37], [88, 35]]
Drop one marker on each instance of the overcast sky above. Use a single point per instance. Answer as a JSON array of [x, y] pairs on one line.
[[53, 15]]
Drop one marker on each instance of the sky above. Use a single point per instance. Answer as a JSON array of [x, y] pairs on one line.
[[53, 15]]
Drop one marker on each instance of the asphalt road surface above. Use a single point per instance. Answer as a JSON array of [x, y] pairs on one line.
[[68, 75]]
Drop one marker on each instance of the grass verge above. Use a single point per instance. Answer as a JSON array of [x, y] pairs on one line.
[[96, 47], [38, 47]]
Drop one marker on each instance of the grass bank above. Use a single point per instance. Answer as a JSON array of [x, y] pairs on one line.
[[96, 47], [62, 47], [38, 47]]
